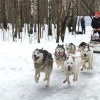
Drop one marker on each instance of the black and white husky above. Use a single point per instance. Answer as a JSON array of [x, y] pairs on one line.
[[82, 45], [43, 62], [87, 56], [70, 48], [60, 56]]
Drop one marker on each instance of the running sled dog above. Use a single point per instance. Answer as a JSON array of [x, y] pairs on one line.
[[43, 62], [87, 56], [71, 67], [60, 56], [70, 48]]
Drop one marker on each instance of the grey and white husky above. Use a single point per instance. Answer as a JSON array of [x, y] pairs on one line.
[[43, 62], [60, 56]]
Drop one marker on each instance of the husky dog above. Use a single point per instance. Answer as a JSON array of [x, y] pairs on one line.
[[87, 55], [43, 62], [60, 56], [71, 67], [81, 45], [70, 48]]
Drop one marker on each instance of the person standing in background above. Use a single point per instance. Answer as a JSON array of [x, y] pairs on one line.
[[83, 24], [96, 23]]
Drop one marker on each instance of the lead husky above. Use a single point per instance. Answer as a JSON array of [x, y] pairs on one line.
[[60, 56], [71, 67], [43, 62], [87, 55]]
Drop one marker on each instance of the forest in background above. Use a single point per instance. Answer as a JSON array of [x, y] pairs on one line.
[[34, 14]]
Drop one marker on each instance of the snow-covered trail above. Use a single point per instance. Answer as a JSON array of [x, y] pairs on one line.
[[17, 80]]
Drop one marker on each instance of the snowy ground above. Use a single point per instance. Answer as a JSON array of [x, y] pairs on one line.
[[17, 74]]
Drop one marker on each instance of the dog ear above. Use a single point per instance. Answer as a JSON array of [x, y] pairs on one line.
[[74, 59], [42, 48], [67, 57], [88, 48], [62, 45], [58, 44]]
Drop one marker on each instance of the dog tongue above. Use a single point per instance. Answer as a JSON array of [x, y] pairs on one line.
[[36, 58]]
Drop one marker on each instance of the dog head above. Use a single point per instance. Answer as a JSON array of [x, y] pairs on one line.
[[68, 46], [60, 50], [82, 45], [85, 51], [70, 63], [37, 55]]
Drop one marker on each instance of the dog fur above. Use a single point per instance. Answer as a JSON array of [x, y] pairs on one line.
[[71, 67], [43, 62], [60, 56], [87, 55], [70, 48]]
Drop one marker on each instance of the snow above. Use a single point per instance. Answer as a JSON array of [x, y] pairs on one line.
[[17, 72]]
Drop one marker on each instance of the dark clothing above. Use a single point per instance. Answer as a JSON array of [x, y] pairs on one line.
[[70, 21], [96, 24], [83, 25]]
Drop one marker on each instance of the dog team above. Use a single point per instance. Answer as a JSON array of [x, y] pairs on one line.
[[63, 56]]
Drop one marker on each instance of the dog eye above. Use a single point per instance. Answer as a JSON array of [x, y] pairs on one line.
[[67, 62], [71, 63]]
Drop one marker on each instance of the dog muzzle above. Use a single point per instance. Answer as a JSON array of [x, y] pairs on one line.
[[69, 68], [35, 57]]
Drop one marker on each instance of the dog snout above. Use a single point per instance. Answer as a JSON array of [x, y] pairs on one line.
[[59, 52], [69, 67], [85, 54], [34, 56]]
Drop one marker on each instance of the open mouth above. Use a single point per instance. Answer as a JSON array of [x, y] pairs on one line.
[[69, 68], [59, 53], [36, 58]]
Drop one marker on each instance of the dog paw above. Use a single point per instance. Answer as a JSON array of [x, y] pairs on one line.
[[74, 80], [68, 82], [62, 69], [88, 68], [44, 79], [36, 81], [64, 81], [47, 85]]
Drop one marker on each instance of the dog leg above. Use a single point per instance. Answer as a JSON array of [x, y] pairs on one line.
[[83, 67], [45, 76], [48, 80], [37, 75], [58, 65], [62, 68], [75, 78], [89, 66], [67, 79]]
